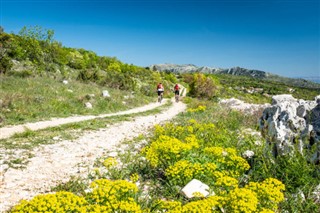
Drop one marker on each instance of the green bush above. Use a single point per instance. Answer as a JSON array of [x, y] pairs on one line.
[[202, 86]]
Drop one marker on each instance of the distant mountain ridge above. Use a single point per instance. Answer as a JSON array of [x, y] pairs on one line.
[[190, 68]]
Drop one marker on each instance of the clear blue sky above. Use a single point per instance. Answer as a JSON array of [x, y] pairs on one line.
[[277, 36]]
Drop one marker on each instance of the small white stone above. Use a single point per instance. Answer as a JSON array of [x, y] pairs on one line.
[[88, 105], [195, 186], [105, 93], [56, 138]]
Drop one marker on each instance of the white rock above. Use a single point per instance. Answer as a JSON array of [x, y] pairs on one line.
[[105, 93], [289, 122], [88, 105], [195, 186], [65, 82]]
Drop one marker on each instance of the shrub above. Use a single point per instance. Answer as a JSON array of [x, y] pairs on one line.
[[202, 86], [58, 202]]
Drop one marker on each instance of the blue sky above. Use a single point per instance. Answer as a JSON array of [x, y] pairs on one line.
[[277, 36]]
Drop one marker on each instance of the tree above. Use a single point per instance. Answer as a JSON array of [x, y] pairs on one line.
[[114, 67], [202, 86], [5, 48], [37, 33]]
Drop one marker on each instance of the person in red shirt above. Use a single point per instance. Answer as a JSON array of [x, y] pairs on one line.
[[160, 90], [176, 89]]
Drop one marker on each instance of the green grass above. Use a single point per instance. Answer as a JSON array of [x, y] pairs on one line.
[[236, 86], [40, 98]]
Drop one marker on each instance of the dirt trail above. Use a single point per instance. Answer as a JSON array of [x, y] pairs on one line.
[[56, 163], [6, 132]]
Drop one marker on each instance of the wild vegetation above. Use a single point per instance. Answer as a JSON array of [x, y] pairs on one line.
[[261, 91], [207, 142], [33, 67]]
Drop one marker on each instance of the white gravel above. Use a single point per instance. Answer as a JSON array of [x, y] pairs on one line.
[[56, 163]]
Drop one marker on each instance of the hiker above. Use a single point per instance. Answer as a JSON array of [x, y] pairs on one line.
[[176, 89], [160, 90]]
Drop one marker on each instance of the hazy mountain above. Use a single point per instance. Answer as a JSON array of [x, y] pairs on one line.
[[190, 68], [313, 78]]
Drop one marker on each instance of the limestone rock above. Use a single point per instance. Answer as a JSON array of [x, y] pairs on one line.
[[195, 186], [289, 122]]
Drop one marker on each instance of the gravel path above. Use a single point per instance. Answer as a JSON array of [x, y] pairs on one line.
[[56, 163]]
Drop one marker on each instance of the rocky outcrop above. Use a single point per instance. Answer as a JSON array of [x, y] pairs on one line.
[[175, 68], [189, 68], [290, 123]]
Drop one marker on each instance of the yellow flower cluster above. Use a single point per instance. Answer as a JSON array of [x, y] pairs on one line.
[[200, 131], [168, 129], [241, 200], [107, 196], [118, 194], [58, 202], [159, 130], [210, 168], [269, 192], [110, 162], [166, 205], [198, 109], [192, 121], [210, 204], [228, 160], [216, 152], [226, 182], [192, 141], [183, 171], [134, 177], [197, 194], [167, 149]]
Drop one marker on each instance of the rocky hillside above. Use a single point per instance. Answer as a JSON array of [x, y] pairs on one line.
[[189, 68]]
